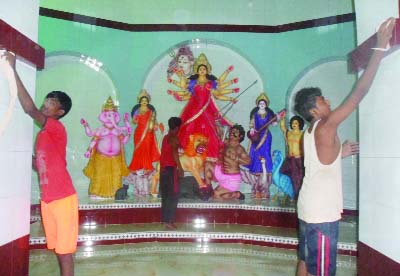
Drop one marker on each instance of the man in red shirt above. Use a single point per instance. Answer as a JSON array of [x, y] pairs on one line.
[[59, 201], [170, 171]]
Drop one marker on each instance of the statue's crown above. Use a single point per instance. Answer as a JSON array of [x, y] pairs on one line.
[[202, 60], [143, 93], [109, 105], [262, 96]]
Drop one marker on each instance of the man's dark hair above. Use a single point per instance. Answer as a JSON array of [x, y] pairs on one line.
[[298, 119], [174, 122], [241, 131], [305, 101], [63, 99]]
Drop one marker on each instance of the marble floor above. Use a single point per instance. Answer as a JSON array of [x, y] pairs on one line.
[[176, 259], [102, 249], [347, 232]]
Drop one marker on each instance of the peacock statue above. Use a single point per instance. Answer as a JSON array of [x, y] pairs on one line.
[[281, 181]]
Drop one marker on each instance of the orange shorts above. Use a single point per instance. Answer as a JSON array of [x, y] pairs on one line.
[[60, 221]]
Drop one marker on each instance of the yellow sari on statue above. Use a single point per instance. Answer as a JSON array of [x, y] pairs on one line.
[[105, 173]]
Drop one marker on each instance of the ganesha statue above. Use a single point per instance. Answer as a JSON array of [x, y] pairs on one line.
[[106, 165]]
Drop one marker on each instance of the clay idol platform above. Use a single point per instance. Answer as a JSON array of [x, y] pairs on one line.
[[263, 222]]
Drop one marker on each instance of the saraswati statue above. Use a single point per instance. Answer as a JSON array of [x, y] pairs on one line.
[[261, 117]]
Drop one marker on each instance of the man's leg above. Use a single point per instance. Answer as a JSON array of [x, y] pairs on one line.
[[66, 211], [66, 263], [170, 201], [173, 195], [173, 206], [164, 189], [208, 172], [321, 247], [301, 268], [231, 195], [301, 265]]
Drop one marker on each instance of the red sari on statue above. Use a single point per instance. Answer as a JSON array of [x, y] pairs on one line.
[[146, 150], [200, 115]]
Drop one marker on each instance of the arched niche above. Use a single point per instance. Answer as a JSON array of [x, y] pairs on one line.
[[332, 76], [89, 85], [220, 55]]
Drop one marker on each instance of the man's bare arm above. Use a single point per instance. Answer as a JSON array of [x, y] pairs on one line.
[[175, 147], [25, 99], [350, 148], [243, 157], [364, 83]]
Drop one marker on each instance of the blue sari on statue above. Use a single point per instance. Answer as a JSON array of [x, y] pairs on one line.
[[262, 149]]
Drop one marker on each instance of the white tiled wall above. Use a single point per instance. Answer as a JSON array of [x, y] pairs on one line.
[[14, 217], [16, 140], [380, 163], [22, 15], [379, 222]]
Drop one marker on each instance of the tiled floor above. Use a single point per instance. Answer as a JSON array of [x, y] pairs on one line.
[[218, 251], [180, 259], [347, 231]]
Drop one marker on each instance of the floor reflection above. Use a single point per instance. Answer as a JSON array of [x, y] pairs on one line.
[[174, 259]]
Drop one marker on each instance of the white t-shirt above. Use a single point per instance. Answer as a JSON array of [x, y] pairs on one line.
[[320, 198]]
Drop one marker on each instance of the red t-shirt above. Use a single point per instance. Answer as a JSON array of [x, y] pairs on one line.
[[51, 144], [167, 157]]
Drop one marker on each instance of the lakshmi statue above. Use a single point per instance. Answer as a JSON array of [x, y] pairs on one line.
[[201, 113], [146, 150]]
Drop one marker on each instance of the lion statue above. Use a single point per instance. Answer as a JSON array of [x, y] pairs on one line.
[[194, 155]]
